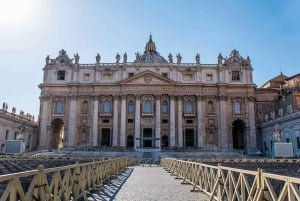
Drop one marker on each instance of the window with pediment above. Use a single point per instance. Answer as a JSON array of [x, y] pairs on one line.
[[188, 106], [130, 107], [148, 106], [237, 107], [58, 107], [236, 75], [164, 107], [210, 107], [106, 106], [85, 107]]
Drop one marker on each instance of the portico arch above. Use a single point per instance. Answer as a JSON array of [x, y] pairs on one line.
[[238, 134], [57, 134]]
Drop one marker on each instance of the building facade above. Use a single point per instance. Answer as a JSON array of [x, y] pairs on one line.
[[20, 126], [278, 108], [151, 102]]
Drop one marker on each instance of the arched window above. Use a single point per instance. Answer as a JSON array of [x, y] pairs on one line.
[[210, 107], [237, 107], [106, 106], [58, 107], [84, 107], [164, 107], [130, 107], [188, 106], [148, 106]]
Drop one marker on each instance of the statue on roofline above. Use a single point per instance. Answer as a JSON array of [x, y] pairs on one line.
[[98, 58]]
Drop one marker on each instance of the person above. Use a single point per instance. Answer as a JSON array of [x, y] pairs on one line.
[[98, 58]]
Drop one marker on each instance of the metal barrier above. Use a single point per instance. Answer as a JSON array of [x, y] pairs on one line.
[[231, 184], [61, 183]]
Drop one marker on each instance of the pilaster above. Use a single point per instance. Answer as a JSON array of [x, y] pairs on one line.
[[115, 122], [157, 122], [137, 121], [172, 122], [123, 121], [179, 123]]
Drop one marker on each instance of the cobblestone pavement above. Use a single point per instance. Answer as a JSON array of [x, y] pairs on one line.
[[147, 184]]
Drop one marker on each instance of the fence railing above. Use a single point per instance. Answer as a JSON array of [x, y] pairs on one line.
[[231, 184], [60, 183]]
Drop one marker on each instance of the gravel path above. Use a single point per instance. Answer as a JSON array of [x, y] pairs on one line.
[[147, 184]]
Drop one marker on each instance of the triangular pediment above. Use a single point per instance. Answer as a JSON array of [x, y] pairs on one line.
[[147, 78]]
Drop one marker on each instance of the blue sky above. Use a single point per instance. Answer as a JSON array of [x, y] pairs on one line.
[[268, 31]]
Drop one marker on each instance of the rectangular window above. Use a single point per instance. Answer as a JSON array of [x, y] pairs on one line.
[[61, 75], [6, 134], [287, 139], [86, 77], [164, 75], [130, 121], [165, 121], [209, 77], [298, 142], [130, 75], [189, 121], [236, 76], [188, 76], [107, 76], [105, 121]]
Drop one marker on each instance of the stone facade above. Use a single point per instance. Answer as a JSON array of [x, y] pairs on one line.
[[151, 102], [278, 109], [18, 127]]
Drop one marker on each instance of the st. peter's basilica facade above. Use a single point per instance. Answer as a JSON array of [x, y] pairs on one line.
[[152, 102]]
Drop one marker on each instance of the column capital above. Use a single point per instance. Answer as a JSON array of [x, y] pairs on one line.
[[137, 96], [96, 97], [72, 97], [199, 98], [123, 97], [157, 96]]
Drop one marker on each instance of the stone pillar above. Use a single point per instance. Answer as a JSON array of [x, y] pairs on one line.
[[251, 139], [44, 138], [137, 121], [179, 123], [115, 122], [199, 121], [123, 122], [172, 122], [223, 142], [157, 122], [95, 121], [72, 122]]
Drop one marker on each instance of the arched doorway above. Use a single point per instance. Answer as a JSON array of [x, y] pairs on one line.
[[238, 134], [130, 141], [164, 141], [57, 135]]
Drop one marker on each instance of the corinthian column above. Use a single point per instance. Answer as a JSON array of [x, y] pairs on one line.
[[172, 122], [72, 121], [157, 122], [95, 121], [123, 122], [44, 137], [179, 123], [115, 123], [137, 121], [199, 123], [223, 142]]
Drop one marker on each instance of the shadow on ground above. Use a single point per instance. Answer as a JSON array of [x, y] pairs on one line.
[[110, 188]]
